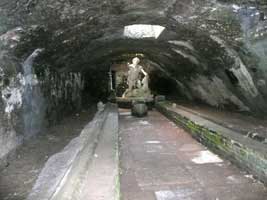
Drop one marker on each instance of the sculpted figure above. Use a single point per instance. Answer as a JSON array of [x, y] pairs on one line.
[[145, 83], [135, 85]]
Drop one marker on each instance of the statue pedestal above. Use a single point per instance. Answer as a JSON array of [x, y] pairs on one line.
[[127, 102], [138, 93]]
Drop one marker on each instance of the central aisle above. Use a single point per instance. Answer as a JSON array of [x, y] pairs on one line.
[[160, 161]]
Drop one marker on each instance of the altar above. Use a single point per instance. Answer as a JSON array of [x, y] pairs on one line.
[[128, 102]]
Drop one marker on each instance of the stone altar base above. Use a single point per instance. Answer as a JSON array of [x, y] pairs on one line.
[[127, 102]]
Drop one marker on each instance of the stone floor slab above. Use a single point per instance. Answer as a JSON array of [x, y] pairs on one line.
[[160, 161]]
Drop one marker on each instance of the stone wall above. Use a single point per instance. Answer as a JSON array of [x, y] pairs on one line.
[[31, 96], [62, 92], [11, 99], [28, 109]]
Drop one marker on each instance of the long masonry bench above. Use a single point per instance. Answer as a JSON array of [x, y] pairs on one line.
[[243, 151], [80, 168]]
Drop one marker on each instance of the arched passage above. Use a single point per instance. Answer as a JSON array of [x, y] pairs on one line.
[[208, 53]]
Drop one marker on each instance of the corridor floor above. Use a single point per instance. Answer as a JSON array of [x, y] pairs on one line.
[[160, 161]]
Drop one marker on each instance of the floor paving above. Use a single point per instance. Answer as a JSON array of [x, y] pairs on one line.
[[160, 161]]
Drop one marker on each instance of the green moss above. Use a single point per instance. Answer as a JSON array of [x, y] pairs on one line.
[[244, 154], [117, 188], [117, 181], [192, 126], [215, 138]]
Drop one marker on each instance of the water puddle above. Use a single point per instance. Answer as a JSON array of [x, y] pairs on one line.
[[153, 142], [144, 122], [206, 157], [181, 193]]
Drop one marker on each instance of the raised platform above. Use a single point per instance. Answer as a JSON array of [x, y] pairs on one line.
[[244, 151], [127, 102]]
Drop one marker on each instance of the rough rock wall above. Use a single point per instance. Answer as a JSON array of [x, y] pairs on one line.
[[11, 89], [31, 97], [62, 91]]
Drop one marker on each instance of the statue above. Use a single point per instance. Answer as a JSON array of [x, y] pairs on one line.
[[137, 87]]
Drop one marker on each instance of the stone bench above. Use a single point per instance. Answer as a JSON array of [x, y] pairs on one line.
[[243, 151], [66, 172]]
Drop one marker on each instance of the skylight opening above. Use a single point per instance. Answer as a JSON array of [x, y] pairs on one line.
[[139, 31]]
